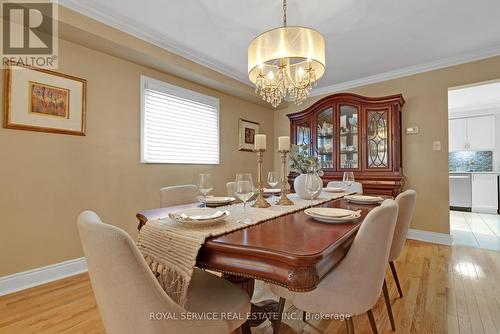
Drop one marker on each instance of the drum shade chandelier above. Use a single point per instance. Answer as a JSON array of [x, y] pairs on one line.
[[286, 61]]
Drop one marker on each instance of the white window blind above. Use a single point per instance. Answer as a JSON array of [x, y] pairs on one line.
[[178, 126]]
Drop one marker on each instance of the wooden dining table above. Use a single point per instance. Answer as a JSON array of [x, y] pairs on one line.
[[294, 251]]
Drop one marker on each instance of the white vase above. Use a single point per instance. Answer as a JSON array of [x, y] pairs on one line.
[[299, 184]]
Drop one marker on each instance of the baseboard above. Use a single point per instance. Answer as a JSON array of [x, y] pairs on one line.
[[42, 275], [484, 209], [427, 236]]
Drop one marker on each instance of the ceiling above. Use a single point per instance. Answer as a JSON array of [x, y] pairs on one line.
[[478, 98], [367, 41]]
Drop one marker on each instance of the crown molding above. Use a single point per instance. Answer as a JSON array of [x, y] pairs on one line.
[[93, 10], [492, 107], [407, 71]]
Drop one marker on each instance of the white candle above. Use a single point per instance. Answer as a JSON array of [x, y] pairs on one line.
[[284, 143], [260, 142]]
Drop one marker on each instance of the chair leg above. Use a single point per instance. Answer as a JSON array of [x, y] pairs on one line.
[[388, 304], [350, 325], [372, 321], [245, 328], [395, 274], [277, 322], [304, 316]]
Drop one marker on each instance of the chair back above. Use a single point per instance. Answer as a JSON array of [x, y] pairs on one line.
[[355, 187], [231, 188], [406, 202], [126, 291], [354, 286], [178, 195]]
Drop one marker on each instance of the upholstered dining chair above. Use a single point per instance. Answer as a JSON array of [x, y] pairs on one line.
[[406, 202], [178, 195], [355, 187], [354, 286], [130, 299]]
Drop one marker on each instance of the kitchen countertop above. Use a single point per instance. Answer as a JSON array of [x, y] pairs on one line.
[[492, 172]]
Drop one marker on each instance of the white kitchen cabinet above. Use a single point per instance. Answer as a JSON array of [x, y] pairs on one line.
[[484, 193], [481, 133], [472, 133], [457, 134]]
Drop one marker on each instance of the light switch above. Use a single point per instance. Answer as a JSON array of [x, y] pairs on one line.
[[412, 130], [436, 145]]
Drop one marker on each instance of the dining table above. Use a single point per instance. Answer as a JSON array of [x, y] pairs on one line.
[[293, 250]]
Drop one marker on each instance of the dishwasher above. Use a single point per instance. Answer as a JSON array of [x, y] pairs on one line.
[[461, 192]]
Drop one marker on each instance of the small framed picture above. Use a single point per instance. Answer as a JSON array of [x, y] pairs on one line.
[[247, 130], [42, 100]]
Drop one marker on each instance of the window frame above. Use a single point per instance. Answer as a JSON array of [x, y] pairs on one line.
[[167, 88]]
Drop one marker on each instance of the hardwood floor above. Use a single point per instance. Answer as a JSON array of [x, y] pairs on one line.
[[446, 290]]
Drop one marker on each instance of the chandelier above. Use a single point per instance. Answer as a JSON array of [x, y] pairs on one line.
[[286, 61]]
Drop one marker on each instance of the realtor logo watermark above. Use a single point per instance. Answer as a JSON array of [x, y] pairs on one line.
[[29, 33]]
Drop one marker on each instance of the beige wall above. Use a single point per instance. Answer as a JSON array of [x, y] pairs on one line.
[[426, 106], [46, 179]]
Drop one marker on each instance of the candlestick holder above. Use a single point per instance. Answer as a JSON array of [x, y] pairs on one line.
[[285, 187], [260, 202]]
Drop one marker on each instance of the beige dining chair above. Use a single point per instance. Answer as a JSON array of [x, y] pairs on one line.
[[406, 202], [355, 187], [130, 299], [178, 195], [354, 286]]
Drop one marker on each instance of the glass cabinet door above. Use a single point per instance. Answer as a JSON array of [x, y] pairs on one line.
[[349, 137], [377, 134], [324, 137], [303, 134]]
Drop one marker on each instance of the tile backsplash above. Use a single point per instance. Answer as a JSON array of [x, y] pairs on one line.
[[470, 161]]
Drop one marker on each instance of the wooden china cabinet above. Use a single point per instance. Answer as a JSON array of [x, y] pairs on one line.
[[353, 133]]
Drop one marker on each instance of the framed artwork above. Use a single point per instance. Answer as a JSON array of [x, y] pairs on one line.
[[42, 100], [247, 130]]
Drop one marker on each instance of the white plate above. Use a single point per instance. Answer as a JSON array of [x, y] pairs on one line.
[[271, 191], [334, 190], [219, 200], [330, 212], [361, 199], [333, 220], [199, 217]]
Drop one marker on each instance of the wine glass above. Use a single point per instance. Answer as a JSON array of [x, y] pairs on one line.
[[205, 186], [272, 180], [244, 191], [313, 183], [348, 179]]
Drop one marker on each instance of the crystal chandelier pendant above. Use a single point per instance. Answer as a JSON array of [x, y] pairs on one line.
[[286, 61]]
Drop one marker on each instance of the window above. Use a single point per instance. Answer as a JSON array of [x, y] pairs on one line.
[[178, 126]]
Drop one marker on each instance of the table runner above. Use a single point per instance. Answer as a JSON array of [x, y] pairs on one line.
[[170, 248]]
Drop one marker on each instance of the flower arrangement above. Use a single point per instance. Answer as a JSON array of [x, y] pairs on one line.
[[301, 160]]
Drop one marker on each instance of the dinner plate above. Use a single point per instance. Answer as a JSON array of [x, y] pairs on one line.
[[334, 190], [363, 199], [330, 212], [333, 220], [219, 200], [271, 191], [199, 217]]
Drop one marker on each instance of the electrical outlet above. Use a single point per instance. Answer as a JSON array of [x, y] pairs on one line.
[[436, 145]]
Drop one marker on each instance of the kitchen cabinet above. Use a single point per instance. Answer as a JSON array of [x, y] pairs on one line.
[[472, 133], [481, 133], [457, 133], [484, 193]]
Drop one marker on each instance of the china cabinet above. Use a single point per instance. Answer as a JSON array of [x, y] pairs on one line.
[[354, 133]]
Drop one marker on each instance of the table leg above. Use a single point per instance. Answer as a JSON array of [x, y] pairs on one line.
[[261, 311]]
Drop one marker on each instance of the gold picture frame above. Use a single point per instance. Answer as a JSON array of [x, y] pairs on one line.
[[246, 132], [44, 100]]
